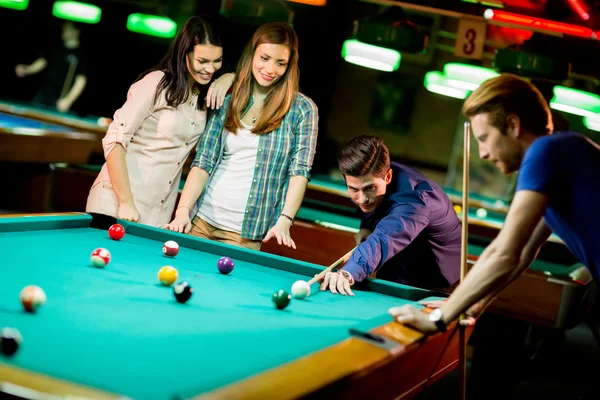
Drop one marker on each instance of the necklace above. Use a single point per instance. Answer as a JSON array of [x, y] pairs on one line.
[[253, 120]]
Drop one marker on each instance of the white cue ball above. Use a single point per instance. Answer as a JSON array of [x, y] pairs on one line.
[[300, 289]]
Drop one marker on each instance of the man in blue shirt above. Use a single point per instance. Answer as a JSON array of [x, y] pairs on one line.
[[410, 230], [558, 191]]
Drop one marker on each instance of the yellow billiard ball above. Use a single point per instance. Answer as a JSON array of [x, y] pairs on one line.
[[167, 275]]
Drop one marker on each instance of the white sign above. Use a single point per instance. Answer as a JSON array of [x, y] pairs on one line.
[[470, 38]]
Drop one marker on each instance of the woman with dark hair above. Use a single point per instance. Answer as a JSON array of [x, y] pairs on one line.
[[254, 160], [153, 133]]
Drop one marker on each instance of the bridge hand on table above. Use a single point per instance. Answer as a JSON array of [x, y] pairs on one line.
[[336, 283]]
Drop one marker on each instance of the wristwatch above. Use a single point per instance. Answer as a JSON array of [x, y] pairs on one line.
[[436, 317]]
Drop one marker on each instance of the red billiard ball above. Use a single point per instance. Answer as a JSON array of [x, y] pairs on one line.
[[100, 258], [170, 248], [116, 232]]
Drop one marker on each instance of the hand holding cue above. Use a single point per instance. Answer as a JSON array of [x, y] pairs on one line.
[[342, 260]]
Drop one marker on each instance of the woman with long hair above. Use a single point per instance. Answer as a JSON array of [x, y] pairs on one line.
[[154, 132], [253, 162]]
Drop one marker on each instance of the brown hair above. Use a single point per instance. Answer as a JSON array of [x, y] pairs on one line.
[[283, 92], [175, 82], [508, 94], [364, 155]]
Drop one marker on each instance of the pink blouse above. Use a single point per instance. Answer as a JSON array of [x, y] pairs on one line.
[[157, 140]]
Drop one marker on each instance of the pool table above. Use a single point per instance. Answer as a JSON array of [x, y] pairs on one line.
[[549, 293], [70, 120], [115, 332], [28, 153], [41, 117]]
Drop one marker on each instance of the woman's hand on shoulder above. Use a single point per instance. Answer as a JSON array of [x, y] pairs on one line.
[[218, 90]]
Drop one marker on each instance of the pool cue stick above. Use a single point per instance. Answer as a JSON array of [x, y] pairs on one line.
[[342, 260], [462, 345]]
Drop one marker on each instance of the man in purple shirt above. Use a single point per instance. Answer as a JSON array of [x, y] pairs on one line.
[[410, 232]]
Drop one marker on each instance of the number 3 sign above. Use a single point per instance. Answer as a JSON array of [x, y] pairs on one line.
[[470, 39]]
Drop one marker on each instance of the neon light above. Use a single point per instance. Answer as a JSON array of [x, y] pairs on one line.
[[592, 122], [14, 4], [152, 25], [310, 2], [539, 23], [472, 74], [76, 11], [579, 9], [436, 82], [375, 57], [575, 101]]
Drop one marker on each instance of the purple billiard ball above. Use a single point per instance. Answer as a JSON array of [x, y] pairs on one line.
[[225, 265]]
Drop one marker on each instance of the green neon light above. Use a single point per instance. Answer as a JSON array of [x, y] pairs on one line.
[[436, 82], [374, 57], [14, 4], [76, 11], [152, 25]]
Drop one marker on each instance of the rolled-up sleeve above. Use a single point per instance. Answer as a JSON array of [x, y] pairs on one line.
[[392, 234], [209, 145], [305, 139], [128, 119]]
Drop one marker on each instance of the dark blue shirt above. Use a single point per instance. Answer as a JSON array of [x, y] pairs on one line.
[[565, 167], [416, 235]]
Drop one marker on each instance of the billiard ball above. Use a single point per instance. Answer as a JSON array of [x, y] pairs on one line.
[[300, 289], [100, 257], [167, 275], [281, 298], [32, 297], [225, 265], [10, 340], [170, 248], [116, 232], [183, 291]]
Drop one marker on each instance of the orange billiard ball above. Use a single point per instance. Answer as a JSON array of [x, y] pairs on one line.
[[167, 275], [32, 297]]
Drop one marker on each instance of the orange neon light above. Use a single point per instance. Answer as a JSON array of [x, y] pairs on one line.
[[532, 22], [310, 2]]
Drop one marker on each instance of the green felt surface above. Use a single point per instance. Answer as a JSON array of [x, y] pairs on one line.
[[553, 269], [117, 329], [329, 219], [20, 108]]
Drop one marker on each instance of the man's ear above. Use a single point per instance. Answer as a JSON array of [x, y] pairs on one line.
[[388, 176], [514, 125]]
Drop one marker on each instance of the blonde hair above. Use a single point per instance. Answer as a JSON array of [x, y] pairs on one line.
[[508, 94], [283, 92]]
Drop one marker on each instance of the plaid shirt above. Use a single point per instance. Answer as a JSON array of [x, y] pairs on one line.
[[283, 153]]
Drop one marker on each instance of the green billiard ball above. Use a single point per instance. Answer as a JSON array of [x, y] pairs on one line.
[[281, 299]]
